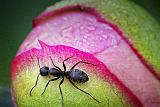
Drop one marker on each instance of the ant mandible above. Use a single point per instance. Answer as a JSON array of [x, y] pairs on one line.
[[73, 75]]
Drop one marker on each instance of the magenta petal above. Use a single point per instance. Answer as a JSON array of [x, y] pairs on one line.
[[26, 59]]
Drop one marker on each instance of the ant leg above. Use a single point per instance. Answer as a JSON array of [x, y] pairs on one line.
[[61, 90], [118, 96], [115, 92], [34, 85], [64, 66], [79, 63], [48, 84], [83, 91], [55, 65]]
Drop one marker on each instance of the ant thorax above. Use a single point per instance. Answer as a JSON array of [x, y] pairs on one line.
[[55, 72]]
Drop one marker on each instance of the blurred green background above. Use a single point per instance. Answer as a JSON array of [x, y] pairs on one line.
[[16, 22]]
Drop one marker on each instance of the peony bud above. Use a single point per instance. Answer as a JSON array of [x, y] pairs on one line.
[[117, 40]]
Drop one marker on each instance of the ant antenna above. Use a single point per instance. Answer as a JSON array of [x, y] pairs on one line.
[[36, 79], [83, 91], [34, 85]]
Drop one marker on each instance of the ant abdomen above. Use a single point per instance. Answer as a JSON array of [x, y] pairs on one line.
[[77, 75]]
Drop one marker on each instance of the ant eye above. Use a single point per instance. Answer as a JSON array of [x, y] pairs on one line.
[[44, 71]]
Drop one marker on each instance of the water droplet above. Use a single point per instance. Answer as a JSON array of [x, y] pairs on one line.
[[92, 45], [91, 28], [90, 19], [65, 18], [67, 32], [84, 40], [78, 24], [105, 36], [85, 37], [82, 27]]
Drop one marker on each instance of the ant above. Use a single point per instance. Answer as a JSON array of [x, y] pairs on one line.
[[73, 75]]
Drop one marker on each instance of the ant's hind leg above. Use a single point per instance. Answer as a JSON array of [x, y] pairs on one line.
[[61, 90], [48, 84], [34, 85], [79, 63], [83, 91]]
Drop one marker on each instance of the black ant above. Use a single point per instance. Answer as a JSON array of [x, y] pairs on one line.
[[73, 75]]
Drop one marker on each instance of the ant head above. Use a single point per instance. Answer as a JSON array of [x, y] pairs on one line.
[[78, 76], [44, 71]]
